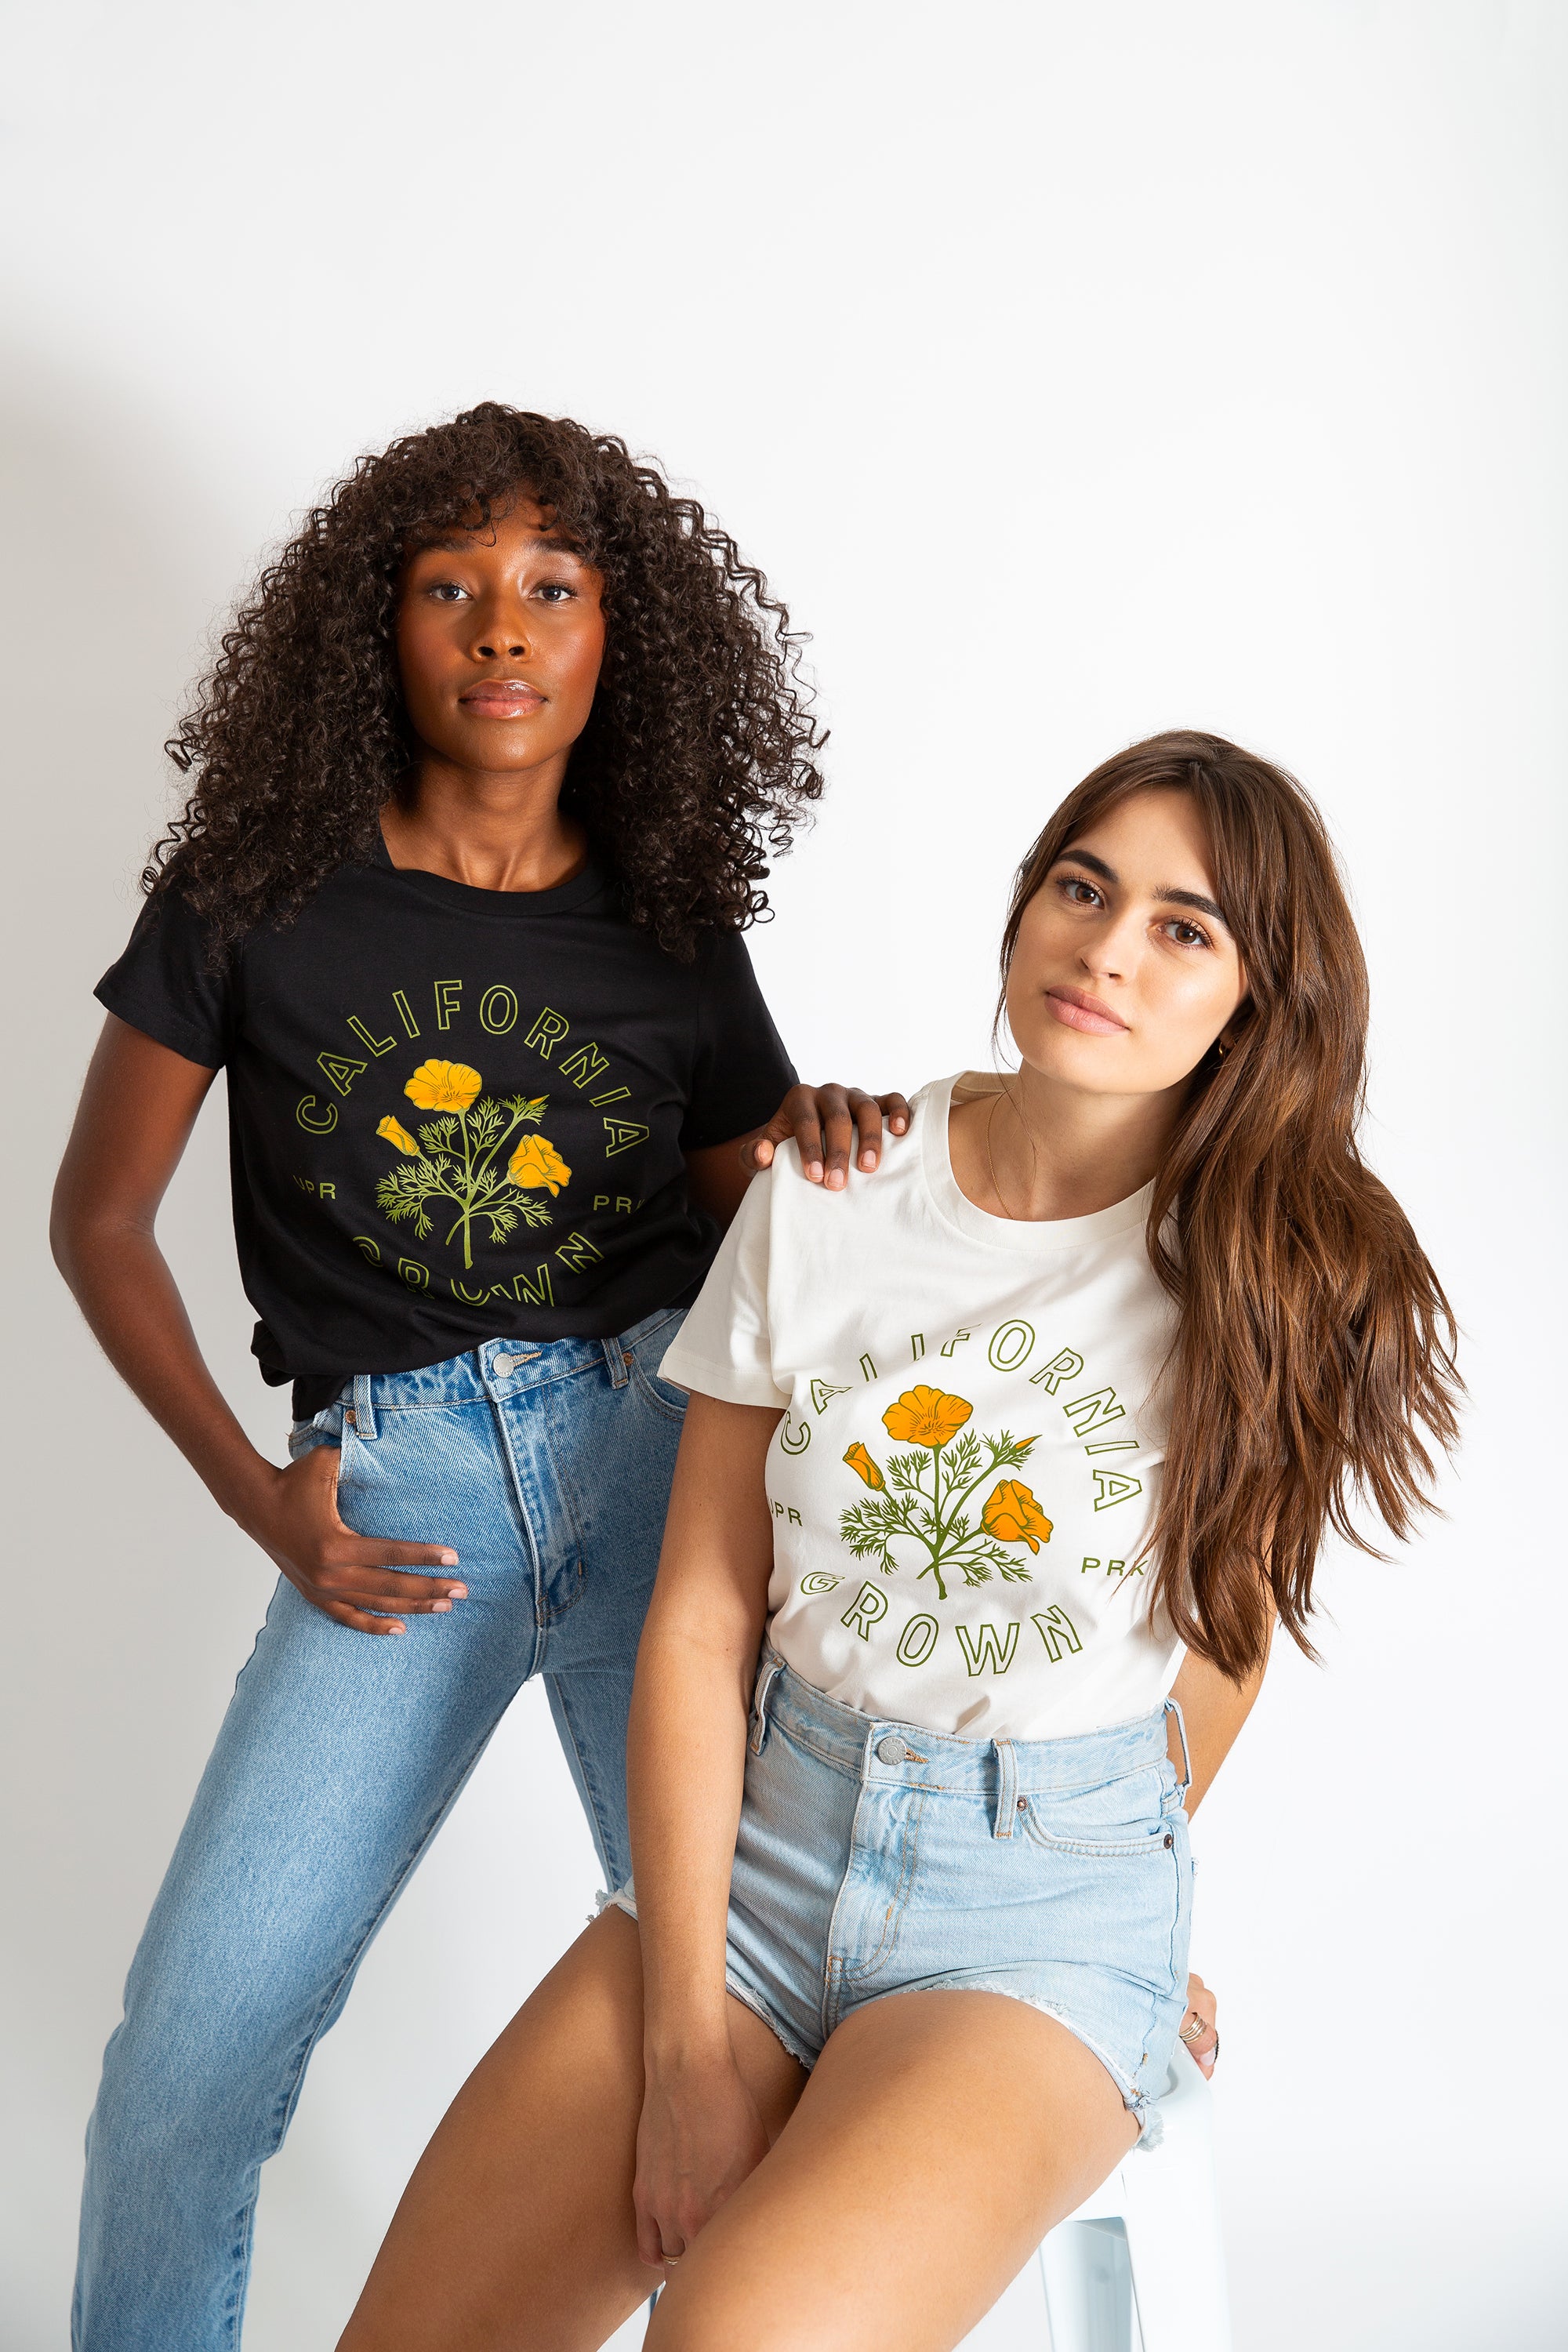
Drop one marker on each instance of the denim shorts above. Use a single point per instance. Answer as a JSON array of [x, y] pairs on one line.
[[875, 1857]]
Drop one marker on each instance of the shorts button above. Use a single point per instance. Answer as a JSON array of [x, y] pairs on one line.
[[891, 1750], [506, 1365], [1169, 1839]]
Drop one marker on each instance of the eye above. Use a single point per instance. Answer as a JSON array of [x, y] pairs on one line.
[[555, 592], [1078, 892], [445, 591], [1186, 934]]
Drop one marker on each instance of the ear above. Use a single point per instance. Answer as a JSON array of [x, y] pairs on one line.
[[1234, 1028], [1231, 1034]]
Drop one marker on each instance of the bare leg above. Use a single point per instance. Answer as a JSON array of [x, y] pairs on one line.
[[516, 2233], [941, 2135]]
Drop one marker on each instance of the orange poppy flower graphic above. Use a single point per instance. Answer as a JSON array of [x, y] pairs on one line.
[[925, 1501], [1011, 1513], [926, 1416], [460, 1158], [862, 1465], [443, 1086], [536, 1162]]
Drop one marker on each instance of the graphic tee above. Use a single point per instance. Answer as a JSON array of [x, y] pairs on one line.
[[456, 1115], [969, 1456]]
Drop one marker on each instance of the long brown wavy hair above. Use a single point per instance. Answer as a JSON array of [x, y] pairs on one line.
[[700, 754], [1314, 1345]]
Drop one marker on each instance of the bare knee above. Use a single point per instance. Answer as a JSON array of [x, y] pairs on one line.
[[719, 2315]]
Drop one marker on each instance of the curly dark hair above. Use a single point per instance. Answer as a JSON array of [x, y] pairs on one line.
[[699, 755]]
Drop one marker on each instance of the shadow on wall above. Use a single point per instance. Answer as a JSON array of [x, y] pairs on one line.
[[133, 1603]]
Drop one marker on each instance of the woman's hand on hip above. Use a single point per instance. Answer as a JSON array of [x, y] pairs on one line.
[[1197, 2028], [293, 1516], [699, 2136], [826, 1123]]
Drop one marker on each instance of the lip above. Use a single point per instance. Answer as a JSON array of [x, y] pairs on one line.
[[502, 698], [1074, 1009]]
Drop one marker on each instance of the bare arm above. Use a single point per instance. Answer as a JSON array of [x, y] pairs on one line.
[[138, 1106], [701, 2134], [1213, 1709]]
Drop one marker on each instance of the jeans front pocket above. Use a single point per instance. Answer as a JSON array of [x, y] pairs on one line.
[[1121, 1817], [326, 1429], [643, 1357]]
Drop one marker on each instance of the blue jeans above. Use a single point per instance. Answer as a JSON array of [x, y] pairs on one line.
[[876, 1857], [547, 1468]]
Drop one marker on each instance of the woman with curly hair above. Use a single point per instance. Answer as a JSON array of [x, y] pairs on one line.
[[483, 783]]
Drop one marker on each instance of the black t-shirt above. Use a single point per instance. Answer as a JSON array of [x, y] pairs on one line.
[[456, 1115]]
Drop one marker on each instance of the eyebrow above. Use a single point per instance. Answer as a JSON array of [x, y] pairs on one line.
[[1167, 897]]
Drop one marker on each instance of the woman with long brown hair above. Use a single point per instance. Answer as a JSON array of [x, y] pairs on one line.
[[991, 1488]]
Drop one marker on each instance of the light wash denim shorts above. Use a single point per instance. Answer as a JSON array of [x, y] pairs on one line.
[[875, 1857]]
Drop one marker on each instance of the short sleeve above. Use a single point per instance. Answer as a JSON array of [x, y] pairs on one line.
[[740, 1072], [162, 986], [724, 1348]]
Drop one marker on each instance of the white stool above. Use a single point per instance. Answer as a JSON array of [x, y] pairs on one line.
[[1163, 2200]]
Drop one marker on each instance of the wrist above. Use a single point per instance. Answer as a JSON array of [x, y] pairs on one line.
[[243, 1488], [680, 2049]]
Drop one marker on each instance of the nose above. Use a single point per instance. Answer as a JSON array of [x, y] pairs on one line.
[[1111, 952], [494, 646], [500, 630]]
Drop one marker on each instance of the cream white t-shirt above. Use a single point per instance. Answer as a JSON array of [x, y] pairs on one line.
[[968, 1462]]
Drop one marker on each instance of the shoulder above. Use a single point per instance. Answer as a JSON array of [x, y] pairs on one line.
[[170, 931], [872, 1198]]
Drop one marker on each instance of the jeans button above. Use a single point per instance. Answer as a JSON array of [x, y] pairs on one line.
[[504, 1365], [891, 1750]]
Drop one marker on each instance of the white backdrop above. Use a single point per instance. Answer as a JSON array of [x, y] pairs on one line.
[[1074, 371]]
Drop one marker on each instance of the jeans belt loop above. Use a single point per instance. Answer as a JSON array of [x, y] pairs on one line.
[[1173, 1707], [766, 1677], [617, 1356], [1007, 1789], [364, 1410]]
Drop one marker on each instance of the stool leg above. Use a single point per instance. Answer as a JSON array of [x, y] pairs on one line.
[[1088, 2287], [1177, 2257]]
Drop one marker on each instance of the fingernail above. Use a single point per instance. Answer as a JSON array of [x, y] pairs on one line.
[[868, 1159], [813, 1170], [459, 1593], [440, 1608], [836, 1180], [400, 1629], [448, 1559], [899, 1125]]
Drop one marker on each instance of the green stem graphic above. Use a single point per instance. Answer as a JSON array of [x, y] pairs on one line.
[[468, 1192], [956, 1496], [515, 1121]]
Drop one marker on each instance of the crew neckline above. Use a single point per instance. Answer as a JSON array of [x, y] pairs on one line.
[[511, 906], [1023, 1236]]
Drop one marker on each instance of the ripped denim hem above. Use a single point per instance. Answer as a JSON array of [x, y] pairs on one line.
[[1144, 2110]]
